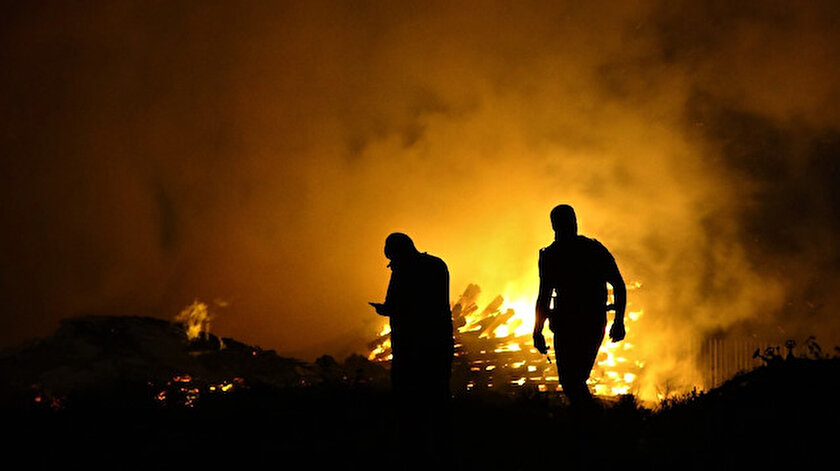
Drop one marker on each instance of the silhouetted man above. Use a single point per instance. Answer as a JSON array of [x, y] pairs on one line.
[[574, 272], [417, 304]]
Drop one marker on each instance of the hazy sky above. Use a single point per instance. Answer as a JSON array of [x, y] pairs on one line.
[[258, 153]]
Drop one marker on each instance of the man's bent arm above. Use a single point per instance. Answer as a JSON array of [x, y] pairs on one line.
[[387, 308], [619, 296], [614, 278], [541, 310]]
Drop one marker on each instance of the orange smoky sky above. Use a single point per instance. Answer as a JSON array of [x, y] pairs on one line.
[[258, 153]]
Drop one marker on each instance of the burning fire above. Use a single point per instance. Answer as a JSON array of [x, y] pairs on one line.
[[196, 319], [494, 347], [381, 347], [184, 389]]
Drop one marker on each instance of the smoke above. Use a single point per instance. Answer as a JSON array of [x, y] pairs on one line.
[[261, 153]]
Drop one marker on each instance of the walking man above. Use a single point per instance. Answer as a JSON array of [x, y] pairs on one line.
[[574, 272]]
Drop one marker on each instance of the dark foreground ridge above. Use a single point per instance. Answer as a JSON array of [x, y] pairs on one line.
[[120, 392]]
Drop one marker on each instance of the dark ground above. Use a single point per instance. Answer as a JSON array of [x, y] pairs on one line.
[[331, 415]]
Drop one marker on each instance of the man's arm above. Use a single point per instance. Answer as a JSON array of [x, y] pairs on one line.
[[614, 278], [387, 308]]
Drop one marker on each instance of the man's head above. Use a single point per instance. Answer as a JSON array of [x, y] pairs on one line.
[[564, 221], [398, 246]]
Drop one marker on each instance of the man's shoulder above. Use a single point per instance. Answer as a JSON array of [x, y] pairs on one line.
[[595, 247], [433, 260], [591, 242], [553, 250], [581, 244], [546, 252]]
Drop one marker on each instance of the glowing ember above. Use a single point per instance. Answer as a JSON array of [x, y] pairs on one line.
[[186, 391], [44, 398]]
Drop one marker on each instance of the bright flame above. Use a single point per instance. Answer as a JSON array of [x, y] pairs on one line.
[[382, 347], [196, 319], [522, 322]]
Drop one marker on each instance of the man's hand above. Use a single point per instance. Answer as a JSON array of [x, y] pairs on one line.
[[380, 309], [617, 331], [539, 342]]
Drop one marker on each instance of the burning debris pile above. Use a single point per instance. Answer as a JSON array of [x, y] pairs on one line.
[[119, 360], [494, 350], [489, 353]]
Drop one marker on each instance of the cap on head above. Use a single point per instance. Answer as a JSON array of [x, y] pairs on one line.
[[398, 245], [563, 220]]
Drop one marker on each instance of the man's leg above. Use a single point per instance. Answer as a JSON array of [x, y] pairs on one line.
[[576, 348]]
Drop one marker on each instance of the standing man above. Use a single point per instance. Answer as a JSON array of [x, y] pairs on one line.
[[417, 305], [574, 272]]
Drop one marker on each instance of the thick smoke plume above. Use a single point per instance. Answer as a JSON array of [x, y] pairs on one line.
[[261, 152]]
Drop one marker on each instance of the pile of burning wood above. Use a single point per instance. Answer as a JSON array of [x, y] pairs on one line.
[[492, 351]]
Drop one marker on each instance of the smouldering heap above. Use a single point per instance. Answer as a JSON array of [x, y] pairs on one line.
[[494, 350]]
